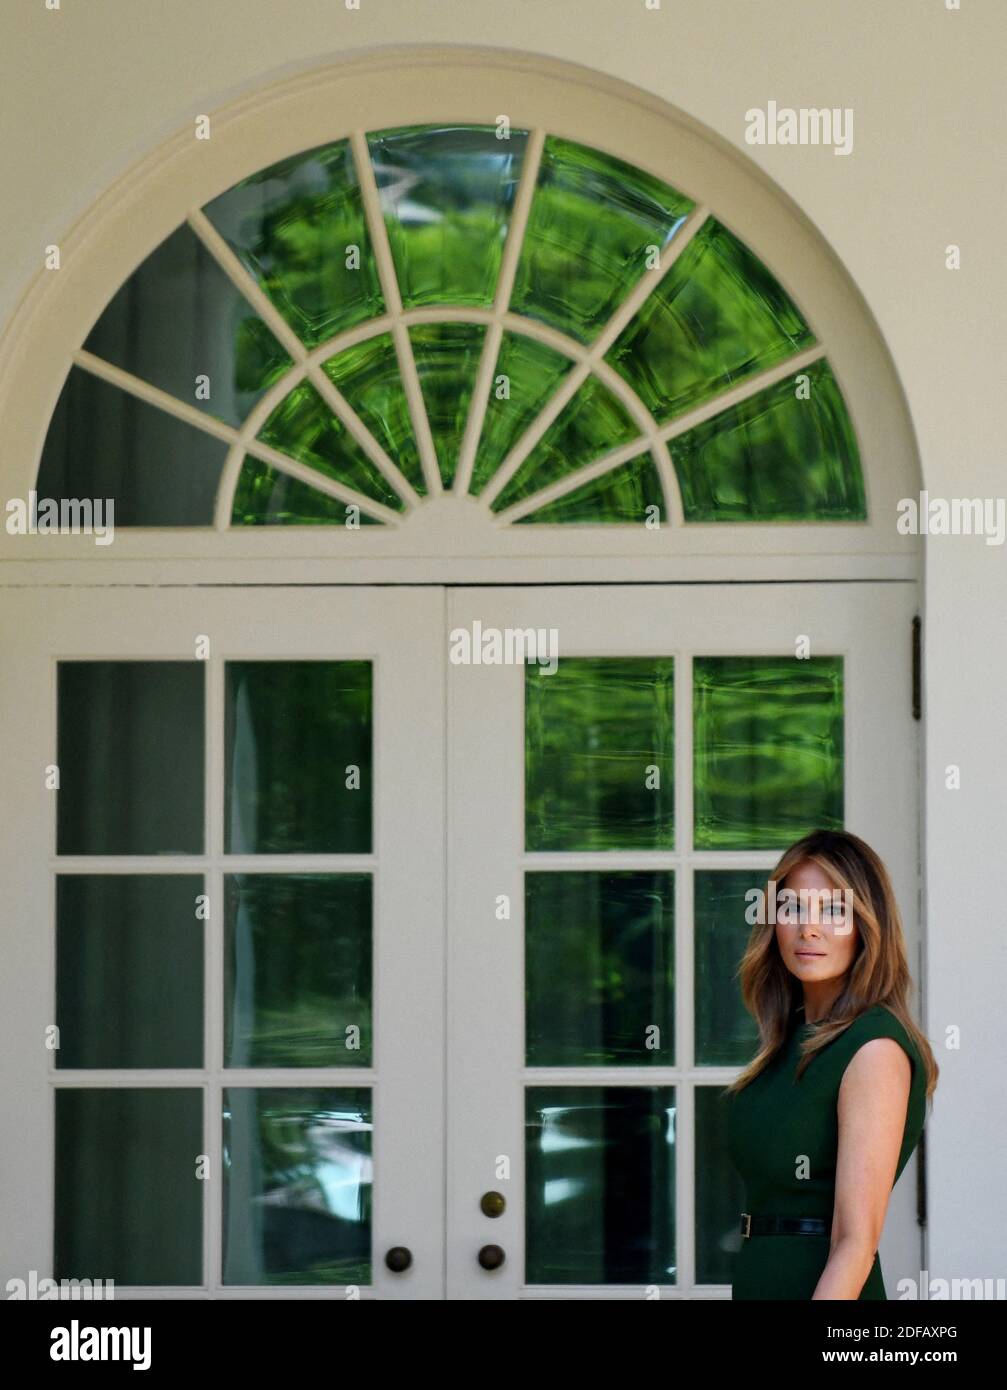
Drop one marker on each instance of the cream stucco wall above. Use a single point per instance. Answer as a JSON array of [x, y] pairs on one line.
[[92, 87]]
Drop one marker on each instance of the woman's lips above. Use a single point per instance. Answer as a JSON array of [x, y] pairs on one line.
[[811, 955]]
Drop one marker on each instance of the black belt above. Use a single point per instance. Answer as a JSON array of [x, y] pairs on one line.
[[784, 1225]]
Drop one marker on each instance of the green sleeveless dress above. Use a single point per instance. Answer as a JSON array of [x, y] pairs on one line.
[[775, 1120]]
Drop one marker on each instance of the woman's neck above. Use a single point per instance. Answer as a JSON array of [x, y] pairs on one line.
[[819, 999]]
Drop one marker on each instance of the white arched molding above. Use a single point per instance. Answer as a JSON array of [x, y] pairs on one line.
[[452, 537]]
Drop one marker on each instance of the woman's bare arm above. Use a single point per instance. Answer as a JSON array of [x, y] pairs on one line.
[[873, 1098]]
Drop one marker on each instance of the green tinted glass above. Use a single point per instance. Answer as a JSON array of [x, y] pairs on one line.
[[130, 757], [447, 360], [630, 493], [600, 1185], [599, 754], [600, 968], [128, 1203], [304, 427], [526, 374], [768, 748], [297, 1186], [446, 194], [715, 318], [720, 1193], [368, 377], [596, 225], [298, 970], [266, 497], [726, 1034], [300, 230], [182, 324], [107, 445], [590, 425], [129, 970], [298, 757], [786, 454], [594, 228]]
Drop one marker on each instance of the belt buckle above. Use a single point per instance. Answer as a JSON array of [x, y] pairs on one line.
[[746, 1228]]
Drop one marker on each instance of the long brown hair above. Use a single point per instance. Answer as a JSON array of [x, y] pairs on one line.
[[879, 973]]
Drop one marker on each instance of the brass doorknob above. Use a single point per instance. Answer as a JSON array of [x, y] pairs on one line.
[[492, 1204], [398, 1259], [491, 1256]]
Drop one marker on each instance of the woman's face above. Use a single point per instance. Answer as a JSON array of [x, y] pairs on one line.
[[815, 928]]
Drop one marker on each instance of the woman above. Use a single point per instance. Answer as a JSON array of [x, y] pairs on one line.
[[824, 1118]]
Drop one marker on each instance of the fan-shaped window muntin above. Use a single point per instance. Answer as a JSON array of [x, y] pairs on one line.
[[529, 323]]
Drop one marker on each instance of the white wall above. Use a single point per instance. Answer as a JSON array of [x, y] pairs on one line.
[[88, 89]]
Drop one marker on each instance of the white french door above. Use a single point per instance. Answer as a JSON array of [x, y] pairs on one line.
[[348, 950], [231, 908], [604, 821]]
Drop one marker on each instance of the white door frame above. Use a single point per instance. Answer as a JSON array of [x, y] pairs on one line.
[[486, 1072], [399, 629]]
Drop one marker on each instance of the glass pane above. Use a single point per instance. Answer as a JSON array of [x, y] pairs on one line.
[[630, 493], [600, 968], [776, 457], [266, 497], [593, 225], [599, 762], [304, 427], [300, 230], [726, 1034], [447, 360], [128, 1203], [298, 970], [179, 318], [720, 1193], [526, 375], [600, 1185], [104, 443], [446, 194], [297, 1186], [768, 738], [130, 757], [298, 755], [129, 970], [368, 377], [715, 318], [592, 424]]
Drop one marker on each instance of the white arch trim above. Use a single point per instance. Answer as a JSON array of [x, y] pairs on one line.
[[454, 537]]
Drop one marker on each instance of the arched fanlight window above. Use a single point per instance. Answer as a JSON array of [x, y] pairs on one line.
[[436, 309]]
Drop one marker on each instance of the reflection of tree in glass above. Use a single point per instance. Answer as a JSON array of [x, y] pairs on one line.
[[291, 225], [715, 318], [592, 223], [768, 737], [592, 731], [600, 951], [298, 969]]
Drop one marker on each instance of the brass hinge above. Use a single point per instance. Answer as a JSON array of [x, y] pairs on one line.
[[917, 669]]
